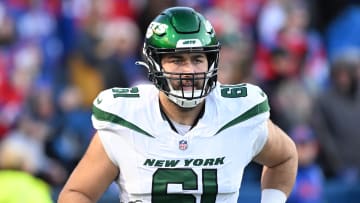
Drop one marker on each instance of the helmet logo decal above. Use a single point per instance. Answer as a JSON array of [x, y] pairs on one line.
[[157, 28], [188, 43]]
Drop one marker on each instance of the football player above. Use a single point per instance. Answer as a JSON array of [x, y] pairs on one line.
[[186, 137]]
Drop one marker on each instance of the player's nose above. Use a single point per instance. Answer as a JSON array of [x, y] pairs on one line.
[[188, 67]]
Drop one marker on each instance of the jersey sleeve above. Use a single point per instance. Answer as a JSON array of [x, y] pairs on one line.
[[261, 137], [245, 105], [101, 106], [261, 104], [103, 110]]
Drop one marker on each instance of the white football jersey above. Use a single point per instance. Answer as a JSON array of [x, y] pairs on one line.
[[203, 166]]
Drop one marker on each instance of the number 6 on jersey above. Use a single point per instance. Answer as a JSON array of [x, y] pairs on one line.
[[188, 179]]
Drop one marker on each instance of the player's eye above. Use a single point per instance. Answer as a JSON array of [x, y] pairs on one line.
[[198, 61], [176, 61]]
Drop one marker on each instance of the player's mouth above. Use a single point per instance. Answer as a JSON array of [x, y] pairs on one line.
[[188, 85]]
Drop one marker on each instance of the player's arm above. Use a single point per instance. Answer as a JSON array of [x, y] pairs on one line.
[[279, 157], [91, 177]]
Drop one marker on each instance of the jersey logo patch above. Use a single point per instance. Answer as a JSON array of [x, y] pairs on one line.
[[98, 100], [183, 144]]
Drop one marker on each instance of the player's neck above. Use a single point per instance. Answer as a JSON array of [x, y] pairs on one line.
[[184, 116]]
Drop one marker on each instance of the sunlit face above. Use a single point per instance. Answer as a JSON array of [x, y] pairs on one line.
[[186, 70]]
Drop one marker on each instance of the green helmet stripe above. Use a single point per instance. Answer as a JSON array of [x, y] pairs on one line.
[[179, 23]]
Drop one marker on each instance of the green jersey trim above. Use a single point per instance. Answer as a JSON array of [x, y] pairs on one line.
[[256, 110], [106, 116]]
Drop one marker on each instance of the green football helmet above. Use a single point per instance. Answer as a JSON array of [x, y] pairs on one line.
[[181, 30]]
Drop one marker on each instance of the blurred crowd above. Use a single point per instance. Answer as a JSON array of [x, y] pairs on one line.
[[56, 55]]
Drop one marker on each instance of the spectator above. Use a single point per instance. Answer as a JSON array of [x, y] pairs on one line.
[[281, 87], [336, 118], [236, 47], [18, 164], [303, 47], [117, 52], [33, 135], [310, 180], [69, 144]]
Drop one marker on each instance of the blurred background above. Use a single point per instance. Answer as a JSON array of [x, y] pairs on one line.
[[56, 55]]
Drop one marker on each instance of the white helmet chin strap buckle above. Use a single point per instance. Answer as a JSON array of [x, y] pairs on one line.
[[186, 103]]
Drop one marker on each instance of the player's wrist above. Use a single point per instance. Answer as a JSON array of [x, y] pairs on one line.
[[273, 196]]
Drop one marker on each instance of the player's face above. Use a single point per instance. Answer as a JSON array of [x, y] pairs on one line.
[[190, 69]]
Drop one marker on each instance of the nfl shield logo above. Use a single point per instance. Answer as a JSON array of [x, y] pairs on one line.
[[183, 144]]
